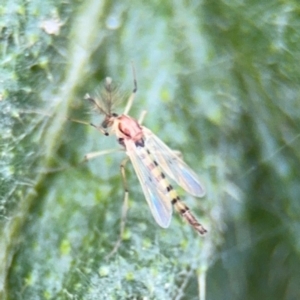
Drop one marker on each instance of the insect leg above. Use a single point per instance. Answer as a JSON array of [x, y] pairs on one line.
[[132, 96], [92, 155], [178, 153], [124, 209], [142, 117]]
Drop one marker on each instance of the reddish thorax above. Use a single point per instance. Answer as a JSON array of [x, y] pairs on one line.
[[127, 128]]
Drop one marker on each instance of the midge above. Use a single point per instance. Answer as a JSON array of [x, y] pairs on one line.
[[152, 160]]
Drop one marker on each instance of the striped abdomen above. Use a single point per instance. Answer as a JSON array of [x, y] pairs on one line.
[[163, 184]]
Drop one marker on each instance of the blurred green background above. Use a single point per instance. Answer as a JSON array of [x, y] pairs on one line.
[[220, 81]]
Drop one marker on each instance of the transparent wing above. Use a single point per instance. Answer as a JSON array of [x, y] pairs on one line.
[[157, 199], [173, 165]]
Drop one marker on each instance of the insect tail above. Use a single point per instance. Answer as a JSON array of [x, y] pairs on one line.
[[185, 212]]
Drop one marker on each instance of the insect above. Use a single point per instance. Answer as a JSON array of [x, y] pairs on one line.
[[152, 160]]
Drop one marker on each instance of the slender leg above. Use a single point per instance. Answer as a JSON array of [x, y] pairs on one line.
[[178, 153], [124, 209], [92, 155], [132, 96], [142, 117], [87, 157]]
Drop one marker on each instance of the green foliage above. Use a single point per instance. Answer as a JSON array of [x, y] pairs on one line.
[[220, 83]]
